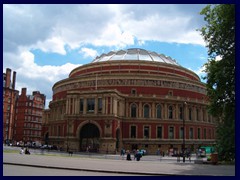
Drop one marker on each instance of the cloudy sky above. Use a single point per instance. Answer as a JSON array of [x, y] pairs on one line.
[[43, 43]]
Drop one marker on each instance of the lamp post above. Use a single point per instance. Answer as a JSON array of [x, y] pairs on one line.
[[183, 145]]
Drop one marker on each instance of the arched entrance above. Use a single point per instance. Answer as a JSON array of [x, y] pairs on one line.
[[89, 138]]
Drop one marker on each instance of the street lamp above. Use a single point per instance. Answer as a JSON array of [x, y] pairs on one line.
[[183, 145]]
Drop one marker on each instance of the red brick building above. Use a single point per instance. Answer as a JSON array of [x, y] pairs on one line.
[[133, 98], [10, 95], [28, 118]]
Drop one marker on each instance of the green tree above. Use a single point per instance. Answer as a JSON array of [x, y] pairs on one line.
[[219, 35]]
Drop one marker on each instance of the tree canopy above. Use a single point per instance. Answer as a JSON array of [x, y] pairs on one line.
[[219, 35]]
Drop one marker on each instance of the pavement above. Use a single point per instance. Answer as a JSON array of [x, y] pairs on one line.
[[150, 165]]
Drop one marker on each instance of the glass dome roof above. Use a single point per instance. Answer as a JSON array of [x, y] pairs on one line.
[[135, 54]]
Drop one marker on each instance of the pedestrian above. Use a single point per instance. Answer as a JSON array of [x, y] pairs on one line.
[[134, 154], [122, 153], [189, 157], [128, 156], [21, 150], [138, 155], [27, 151]]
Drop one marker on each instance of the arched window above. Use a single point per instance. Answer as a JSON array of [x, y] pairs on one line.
[[159, 111], [197, 112], [133, 110], [181, 113], [170, 112], [190, 113], [146, 111]]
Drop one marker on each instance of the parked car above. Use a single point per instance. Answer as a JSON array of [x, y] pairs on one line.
[[205, 151]]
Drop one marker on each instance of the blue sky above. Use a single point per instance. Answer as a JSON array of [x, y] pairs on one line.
[[43, 43]]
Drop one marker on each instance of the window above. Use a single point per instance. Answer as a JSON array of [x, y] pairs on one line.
[[199, 133], [205, 133], [171, 133], [159, 111], [133, 91], [58, 131], [190, 114], [159, 132], [81, 105], [170, 112], [90, 105], [146, 111], [197, 112], [181, 133], [191, 133], [99, 105], [210, 133], [133, 131], [181, 113], [133, 110], [146, 131]]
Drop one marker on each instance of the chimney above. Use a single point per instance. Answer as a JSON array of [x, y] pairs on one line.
[[8, 77], [24, 91], [14, 80]]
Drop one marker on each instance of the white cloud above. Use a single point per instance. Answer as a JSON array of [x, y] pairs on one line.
[[163, 29], [218, 58], [87, 52], [200, 71], [29, 69], [35, 77], [113, 35], [54, 44]]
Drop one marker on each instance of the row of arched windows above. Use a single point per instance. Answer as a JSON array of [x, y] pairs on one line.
[[146, 111], [159, 112]]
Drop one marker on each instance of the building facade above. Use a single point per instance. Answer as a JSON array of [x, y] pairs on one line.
[[10, 95], [135, 99], [28, 117]]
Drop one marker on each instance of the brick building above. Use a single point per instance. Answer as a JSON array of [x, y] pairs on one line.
[[10, 95], [28, 118], [133, 98]]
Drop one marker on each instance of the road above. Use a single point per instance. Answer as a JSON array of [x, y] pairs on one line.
[[15, 170], [109, 163]]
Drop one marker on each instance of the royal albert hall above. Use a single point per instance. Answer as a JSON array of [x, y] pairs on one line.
[[131, 99]]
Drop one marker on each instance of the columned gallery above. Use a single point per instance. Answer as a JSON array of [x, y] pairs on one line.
[[135, 99]]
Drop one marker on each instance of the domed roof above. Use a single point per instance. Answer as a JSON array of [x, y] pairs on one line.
[[135, 54]]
